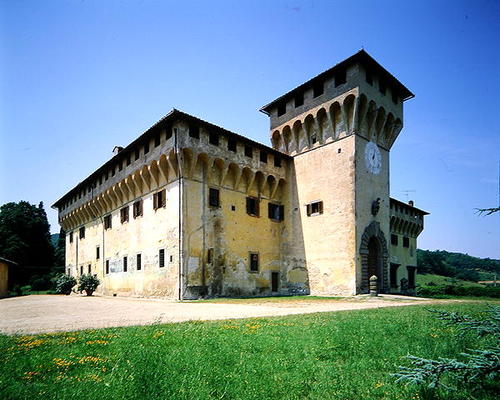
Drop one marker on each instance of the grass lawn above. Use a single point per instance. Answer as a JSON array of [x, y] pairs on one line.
[[425, 279], [342, 355]]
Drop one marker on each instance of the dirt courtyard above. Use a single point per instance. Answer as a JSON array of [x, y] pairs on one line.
[[51, 313]]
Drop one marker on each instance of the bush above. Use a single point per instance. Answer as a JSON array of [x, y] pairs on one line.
[[64, 284], [88, 283], [452, 290]]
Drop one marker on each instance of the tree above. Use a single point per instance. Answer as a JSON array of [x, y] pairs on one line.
[[25, 235]]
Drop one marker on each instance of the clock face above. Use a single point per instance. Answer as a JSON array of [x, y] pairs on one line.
[[373, 158]]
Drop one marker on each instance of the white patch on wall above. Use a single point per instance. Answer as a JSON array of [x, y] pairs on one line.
[[193, 264]]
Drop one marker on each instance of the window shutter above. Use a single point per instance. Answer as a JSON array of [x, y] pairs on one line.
[[320, 207], [282, 213], [249, 209], [308, 208]]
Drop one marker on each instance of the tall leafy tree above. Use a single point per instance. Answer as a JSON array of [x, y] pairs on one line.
[[25, 234]]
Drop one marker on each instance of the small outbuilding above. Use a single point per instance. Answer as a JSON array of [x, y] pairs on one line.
[[4, 276]]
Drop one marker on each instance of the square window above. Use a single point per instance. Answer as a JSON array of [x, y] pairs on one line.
[[254, 262], [161, 258], [276, 212], [314, 208], [213, 138], [194, 131], [159, 199], [369, 78], [253, 206], [248, 151], [124, 214], [299, 100], [263, 156], [82, 232], [213, 197], [318, 89], [231, 145], [394, 240], [138, 262], [406, 242], [340, 78], [137, 208], [281, 109], [107, 222]]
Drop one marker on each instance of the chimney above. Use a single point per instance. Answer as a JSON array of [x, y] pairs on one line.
[[411, 203], [117, 149]]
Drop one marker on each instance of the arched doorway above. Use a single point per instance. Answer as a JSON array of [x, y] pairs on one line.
[[374, 256], [374, 259]]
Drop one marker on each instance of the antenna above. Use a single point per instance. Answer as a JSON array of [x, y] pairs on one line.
[[407, 192]]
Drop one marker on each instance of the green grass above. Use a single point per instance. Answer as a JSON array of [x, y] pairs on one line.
[[425, 279], [343, 355]]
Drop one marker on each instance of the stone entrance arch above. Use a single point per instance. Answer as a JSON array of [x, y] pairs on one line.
[[374, 257]]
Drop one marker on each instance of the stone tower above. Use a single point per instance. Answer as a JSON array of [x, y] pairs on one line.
[[339, 128]]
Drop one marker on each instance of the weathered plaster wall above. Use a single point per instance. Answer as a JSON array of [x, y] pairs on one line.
[[155, 230], [327, 174]]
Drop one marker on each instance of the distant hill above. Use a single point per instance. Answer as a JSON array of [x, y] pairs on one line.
[[456, 265], [54, 238]]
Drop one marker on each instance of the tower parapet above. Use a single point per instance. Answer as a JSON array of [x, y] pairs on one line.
[[356, 96]]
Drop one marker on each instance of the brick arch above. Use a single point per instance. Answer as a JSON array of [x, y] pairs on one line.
[[373, 231]]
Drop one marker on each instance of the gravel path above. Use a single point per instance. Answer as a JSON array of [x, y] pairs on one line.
[[46, 313]]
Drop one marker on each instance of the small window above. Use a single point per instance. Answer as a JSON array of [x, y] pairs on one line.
[[120, 165], [137, 208], [253, 206], [248, 151], [369, 78], [161, 258], [254, 262], [231, 145], [97, 253], [159, 199], [276, 212], [315, 208], [171, 258], [340, 78], [277, 161], [125, 264], [318, 89], [157, 139], [406, 242], [213, 138], [124, 214], [210, 255], [71, 237], [137, 153], [194, 131], [299, 100], [107, 267], [107, 222], [81, 269], [281, 109], [213, 197], [146, 147], [394, 240], [381, 86], [263, 156], [89, 269], [138, 262], [82, 232], [128, 161], [394, 95]]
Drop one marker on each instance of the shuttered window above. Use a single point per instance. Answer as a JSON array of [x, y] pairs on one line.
[[253, 206], [314, 208], [276, 212], [159, 199], [213, 197], [137, 208]]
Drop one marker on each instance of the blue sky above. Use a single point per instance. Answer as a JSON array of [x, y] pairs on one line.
[[79, 77]]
